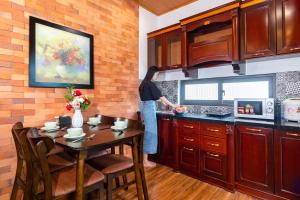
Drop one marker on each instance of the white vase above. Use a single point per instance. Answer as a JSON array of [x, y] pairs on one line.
[[77, 119]]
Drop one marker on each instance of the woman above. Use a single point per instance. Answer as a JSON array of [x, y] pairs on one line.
[[149, 93]]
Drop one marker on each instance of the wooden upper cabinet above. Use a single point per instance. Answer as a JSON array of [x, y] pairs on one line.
[[164, 48], [155, 51], [288, 19], [287, 158], [211, 40], [254, 157], [258, 29]]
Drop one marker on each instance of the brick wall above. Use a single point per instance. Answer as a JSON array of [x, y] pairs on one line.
[[114, 24]]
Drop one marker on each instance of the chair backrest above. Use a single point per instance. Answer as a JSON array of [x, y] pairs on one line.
[[42, 146], [106, 119], [24, 158]]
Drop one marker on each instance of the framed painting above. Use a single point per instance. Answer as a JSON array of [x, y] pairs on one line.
[[59, 56]]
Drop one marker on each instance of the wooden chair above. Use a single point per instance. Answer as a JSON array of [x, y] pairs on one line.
[[60, 184], [23, 177], [114, 166]]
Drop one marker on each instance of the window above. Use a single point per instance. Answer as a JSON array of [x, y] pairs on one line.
[[224, 90]]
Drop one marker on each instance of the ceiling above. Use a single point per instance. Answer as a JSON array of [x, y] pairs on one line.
[[160, 7]]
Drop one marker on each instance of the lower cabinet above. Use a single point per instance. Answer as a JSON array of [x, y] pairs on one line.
[[213, 166], [287, 168], [254, 157], [188, 159]]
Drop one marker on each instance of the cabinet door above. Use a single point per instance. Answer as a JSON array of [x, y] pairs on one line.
[[173, 49], [213, 165], [288, 18], [168, 141], [188, 159], [155, 51], [255, 157], [287, 158], [258, 33]]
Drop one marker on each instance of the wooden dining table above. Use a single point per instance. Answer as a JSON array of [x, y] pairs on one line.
[[104, 138]]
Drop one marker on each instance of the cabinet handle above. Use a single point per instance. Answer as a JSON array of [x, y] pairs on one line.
[[166, 119], [253, 129], [214, 145], [294, 49], [293, 134], [259, 54], [189, 149], [213, 130], [214, 155], [188, 139], [186, 126]]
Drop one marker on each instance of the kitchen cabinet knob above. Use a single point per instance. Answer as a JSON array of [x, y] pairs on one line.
[[212, 130], [189, 149], [259, 54], [186, 126], [214, 145], [254, 129], [293, 134], [214, 155], [188, 139]]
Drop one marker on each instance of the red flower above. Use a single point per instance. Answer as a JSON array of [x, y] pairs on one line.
[[87, 101], [77, 93], [68, 107]]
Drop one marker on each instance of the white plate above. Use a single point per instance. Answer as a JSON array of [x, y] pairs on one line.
[[117, 128], [52, 129], [67, 136], [90, 123]]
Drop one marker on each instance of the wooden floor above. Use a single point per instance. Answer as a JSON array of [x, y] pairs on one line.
[[164, 184]]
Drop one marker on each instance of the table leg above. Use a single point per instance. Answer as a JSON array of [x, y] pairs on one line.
[[138, 179], [80, 175]]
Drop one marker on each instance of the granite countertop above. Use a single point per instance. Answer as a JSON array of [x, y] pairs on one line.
[[282, 124]]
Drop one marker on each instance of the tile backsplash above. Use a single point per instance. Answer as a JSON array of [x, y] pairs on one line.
[[287, 86]]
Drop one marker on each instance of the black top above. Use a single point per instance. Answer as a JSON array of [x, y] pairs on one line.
[[150, 92]]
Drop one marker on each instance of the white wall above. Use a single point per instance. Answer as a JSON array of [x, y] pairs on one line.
[[147, 23]]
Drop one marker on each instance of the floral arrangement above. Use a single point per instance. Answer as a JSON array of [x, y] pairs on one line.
[[76, 100], [68, 55]]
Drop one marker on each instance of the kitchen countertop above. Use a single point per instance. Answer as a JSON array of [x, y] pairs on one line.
[[281, 124]]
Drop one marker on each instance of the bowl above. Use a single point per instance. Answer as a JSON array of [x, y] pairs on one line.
[[94, 120], [50, 125], [120, 124], [74, 131]]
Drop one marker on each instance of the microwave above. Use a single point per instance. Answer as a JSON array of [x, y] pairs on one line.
[[254, 108]]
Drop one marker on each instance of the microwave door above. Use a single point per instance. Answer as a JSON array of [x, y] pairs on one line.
[[250, 109]]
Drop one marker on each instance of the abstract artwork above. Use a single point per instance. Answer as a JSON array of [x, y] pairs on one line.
[[59, 56]]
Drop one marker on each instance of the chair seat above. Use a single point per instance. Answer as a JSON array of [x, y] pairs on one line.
[[64, 181], [111, 163], [94, 153], [57, 162], [55, 150]]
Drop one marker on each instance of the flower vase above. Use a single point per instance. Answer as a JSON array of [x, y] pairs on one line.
[[77, 119]]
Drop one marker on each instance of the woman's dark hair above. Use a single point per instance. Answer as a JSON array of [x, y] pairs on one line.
[[150, 73]]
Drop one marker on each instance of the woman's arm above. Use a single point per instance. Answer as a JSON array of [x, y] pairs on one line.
[[165, 101]]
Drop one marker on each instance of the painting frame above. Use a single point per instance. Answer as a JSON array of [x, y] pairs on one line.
[[33, 21]]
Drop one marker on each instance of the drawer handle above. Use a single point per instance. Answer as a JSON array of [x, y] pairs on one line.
[[214, 145], [295, 49], [254, 129], [189, 149], [259, 54], [214, 155], [293, 134], [188, 139], [186, 126], [213, 130]]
